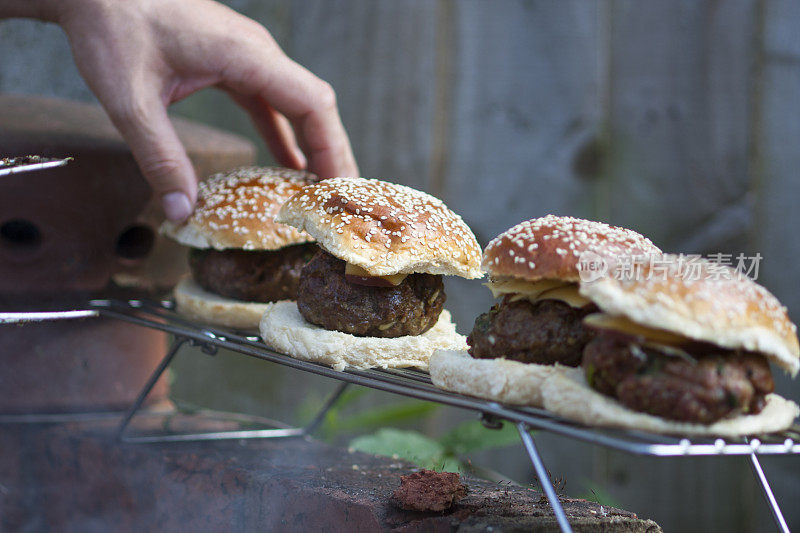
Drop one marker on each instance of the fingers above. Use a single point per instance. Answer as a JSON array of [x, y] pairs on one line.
[[308, 102], [159, 153], [275, 130]]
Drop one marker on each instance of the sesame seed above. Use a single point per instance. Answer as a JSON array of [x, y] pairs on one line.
[[388, 214], [236, 209], [563, 237]]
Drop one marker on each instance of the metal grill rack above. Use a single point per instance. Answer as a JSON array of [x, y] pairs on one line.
[[15, 165], [161, 315]]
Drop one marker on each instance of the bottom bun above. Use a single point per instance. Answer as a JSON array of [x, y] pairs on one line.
[[571, 397], [198, 304], [500, 380], [284, 329]]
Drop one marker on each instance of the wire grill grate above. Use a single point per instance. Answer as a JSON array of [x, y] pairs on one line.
[[161, 315]]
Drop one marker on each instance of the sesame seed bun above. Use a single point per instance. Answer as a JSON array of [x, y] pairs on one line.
[[703, 301], [568, 395], [384, 228], [196, 303], [236, 209], [550, 247], [284, 330]]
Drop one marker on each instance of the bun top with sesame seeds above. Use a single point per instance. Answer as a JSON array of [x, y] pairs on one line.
[[236, 209], [700, 300], [384, 228], [550, 247]]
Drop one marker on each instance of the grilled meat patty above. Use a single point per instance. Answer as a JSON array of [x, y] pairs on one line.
[[326, 298], [251, 276], [545, 332], [702, 388]]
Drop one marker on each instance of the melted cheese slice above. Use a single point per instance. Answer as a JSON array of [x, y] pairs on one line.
[[546, 289], [353, 270], [624, 325], [567, 294], [518, 286]]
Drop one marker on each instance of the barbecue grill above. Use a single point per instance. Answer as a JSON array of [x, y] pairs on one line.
[[161, 316]]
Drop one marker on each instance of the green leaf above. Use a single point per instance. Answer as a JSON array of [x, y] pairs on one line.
[[451, 464], [472, 437], [387, 415], [337, 421], [409, 445], [310, 406]]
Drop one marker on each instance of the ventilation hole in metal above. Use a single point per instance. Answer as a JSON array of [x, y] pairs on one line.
[[135, 242], [20, 234]]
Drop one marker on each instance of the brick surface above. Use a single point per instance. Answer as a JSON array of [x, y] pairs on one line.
[[77, 478]]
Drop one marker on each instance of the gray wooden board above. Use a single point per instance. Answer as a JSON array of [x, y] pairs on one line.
[[777, 190], [37, 60], [525, 97], [778, 154], [379, 57], [678, 116]]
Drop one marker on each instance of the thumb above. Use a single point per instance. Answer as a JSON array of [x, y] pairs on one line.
[[160, 155]]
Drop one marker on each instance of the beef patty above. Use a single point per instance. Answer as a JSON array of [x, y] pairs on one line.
[[326, 298], [251, 276], [544, 332], [702, 389]]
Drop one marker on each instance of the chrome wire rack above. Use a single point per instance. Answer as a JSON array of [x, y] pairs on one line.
[[15, 165], [161, 315]]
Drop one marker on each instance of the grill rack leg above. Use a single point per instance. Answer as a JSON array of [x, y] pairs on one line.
[[777, 514], [151, 381], [544, 478], [219, 435]]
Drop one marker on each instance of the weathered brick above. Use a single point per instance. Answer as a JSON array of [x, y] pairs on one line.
[[77, 478]]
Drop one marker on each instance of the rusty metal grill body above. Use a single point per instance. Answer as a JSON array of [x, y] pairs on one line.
[[161, 315]]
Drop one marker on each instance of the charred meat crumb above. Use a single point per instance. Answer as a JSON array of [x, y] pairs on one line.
[[544, 332], [427, 491], [701, 389], [7, 162], [327, 299], [251, 276]]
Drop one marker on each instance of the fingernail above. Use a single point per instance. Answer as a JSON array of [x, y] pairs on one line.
[[301, 159], [176, 206]]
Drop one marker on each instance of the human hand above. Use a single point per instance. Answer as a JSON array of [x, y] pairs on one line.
[[139, 56]]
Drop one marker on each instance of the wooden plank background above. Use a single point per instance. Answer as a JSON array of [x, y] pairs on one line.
[[679, 119]]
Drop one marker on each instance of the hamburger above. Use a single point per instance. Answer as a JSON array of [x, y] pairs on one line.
[[240, 258], [537, 328], [373, 294], [681, 349]]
